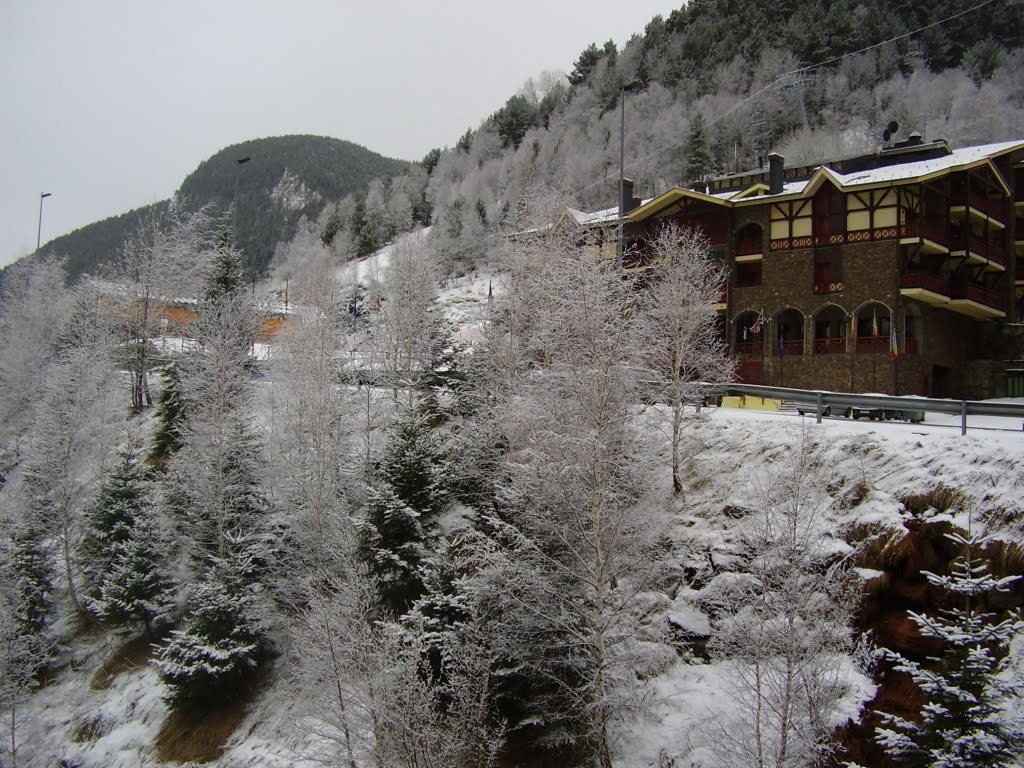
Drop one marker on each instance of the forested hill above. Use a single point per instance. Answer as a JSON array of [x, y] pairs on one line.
[[285, 178], [716, 85]]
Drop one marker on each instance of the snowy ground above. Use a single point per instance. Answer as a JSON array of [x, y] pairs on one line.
[[724, 448]]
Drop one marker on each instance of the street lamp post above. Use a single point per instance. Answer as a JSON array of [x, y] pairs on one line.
[[39, 229], [619, 247], [234, 208]]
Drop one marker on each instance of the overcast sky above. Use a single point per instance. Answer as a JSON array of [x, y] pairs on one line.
[[108, 105]]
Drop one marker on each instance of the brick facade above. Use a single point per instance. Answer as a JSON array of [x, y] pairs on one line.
[[841, 255]]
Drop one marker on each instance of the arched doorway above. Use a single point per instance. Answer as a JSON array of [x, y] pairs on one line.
[[750, 329], [830, 326], [789, 333], [873, 328]]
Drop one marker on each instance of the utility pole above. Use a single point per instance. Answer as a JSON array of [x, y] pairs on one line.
[[619, 246]]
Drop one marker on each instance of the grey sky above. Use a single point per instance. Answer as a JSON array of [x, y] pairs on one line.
[[109, 104]]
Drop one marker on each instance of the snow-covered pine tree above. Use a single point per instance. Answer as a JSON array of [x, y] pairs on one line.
[[213, 491], [222, 640], [123, 550], [138, 589], [410, 493], [974, 714], [109, 518], [170, 418]]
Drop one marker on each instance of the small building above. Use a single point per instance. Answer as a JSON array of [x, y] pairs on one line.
[[899, 271]]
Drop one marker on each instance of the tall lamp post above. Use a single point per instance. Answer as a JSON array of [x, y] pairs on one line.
[[631, 85], [39, 229], [234, 208]]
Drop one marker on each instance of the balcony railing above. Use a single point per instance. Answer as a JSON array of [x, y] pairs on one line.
[[979, 295], [978, 245], [749, 348], [790, 348], [835, 346], [872, 345], [929, 230], [978, 202], [926, 282]]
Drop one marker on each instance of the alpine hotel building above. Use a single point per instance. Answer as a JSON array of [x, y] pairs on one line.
[[899, 271]]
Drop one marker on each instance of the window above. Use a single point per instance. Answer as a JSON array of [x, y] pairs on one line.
[[828, 270], [829, 214]]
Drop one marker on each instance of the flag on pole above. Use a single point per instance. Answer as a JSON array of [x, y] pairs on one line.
[[853, 326], [894, 347], [874, 321], [758, 323]]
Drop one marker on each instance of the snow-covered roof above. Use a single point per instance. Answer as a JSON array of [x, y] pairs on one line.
[[958, 158]]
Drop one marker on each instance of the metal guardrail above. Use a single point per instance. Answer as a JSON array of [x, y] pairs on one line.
[[820, 399]]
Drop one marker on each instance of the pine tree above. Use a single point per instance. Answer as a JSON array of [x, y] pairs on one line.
[[123, 552], [170, 417], [225, 277], [699, 164], [410, 494], [108, 521], [138, 590], [973, 716], [221, 641]]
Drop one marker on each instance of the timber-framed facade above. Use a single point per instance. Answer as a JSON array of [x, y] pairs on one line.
[[900, 271]]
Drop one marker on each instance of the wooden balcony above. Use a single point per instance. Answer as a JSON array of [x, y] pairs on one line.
[[979, 250], [930, 289], [931, 235], [976, 301], [979, 206]]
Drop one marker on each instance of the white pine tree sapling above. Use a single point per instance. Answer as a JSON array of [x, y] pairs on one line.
[[686, 348], [974, 714]]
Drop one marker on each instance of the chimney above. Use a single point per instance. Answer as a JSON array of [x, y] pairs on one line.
[[916, 139], [776, 168], [628, 202]]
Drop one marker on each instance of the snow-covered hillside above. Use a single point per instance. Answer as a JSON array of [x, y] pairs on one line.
[[727, 451]]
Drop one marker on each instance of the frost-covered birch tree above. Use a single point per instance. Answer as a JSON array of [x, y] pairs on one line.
[[783, 624], [313, 417], [686, 348], [572, 531], [73, 433], [161, 262], [32, 310], [371, 698]]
